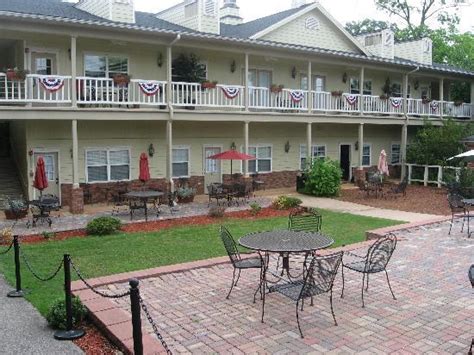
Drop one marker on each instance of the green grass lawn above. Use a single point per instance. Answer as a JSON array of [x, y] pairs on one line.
[[100, 256]]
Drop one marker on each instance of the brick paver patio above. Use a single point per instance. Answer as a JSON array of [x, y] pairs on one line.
[[434, 310]]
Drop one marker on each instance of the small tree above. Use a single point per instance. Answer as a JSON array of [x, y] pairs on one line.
[[323, 178], [188, 68]]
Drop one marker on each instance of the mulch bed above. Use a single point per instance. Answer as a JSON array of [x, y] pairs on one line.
[[159, 225], [94, 342], [421, 199]]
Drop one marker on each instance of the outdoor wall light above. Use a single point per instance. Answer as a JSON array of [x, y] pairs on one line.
[[344, 78], [151, 150], [233, 146], [159, 61], [70, 151], [287, 147], [69, 53], [233, 65], [356, 145], [293, 73]]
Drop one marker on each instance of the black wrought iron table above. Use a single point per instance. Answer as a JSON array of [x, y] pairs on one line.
[[45, 204], [469, 202], [144, 197], [284, 242]]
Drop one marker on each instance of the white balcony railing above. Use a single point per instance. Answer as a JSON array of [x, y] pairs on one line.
[[12, 90], [288, 99], [48, 88], [452, 109], [344, 103], [376, 104], [195, 95], [259, 97]]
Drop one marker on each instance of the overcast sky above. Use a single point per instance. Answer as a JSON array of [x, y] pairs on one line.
[[343, 10]]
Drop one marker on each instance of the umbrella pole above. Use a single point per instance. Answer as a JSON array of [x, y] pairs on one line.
[[231, 169]]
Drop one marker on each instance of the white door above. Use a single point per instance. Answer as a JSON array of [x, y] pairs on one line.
[[212, 168], [52, 173], [43, 63]]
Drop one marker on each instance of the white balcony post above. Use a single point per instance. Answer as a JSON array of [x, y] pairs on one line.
[[169, 154], [73, 71], [405, 95], [441, 98], [361, 146], [246, 81], [246, 148], [403, 150], [310, 87], [361, 90], [169, 75], [75, 156], [309, 142]]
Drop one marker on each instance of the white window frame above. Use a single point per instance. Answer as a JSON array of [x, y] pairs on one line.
[[364, 92], [399, 153], [370, 154], [188, 148], [108, 150], [400, 94], [313, 150], [107, 56], [257, 146]]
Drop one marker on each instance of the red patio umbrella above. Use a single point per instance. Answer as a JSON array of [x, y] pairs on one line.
[[144, 168], [231, 155], [41, 180]]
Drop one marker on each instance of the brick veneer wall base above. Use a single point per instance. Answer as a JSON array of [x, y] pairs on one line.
[[274, 180], [77, 201]]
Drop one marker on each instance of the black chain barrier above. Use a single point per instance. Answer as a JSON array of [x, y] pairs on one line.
[[35, 274], [90, 287], [8, 249], [154, 326]]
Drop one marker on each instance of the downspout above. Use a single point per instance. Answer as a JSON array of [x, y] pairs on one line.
[[406, 91], [170, 80], [405, 126]]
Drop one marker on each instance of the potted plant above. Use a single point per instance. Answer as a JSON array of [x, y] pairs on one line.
[[16, 74], [17, 209], [276, 88], [384, 97], [458, 103], [121, 79], [188, 69], [185, 194], [206, 84], [336, 93], [426, 100]]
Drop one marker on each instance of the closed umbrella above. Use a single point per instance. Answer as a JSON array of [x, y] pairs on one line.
[[41, 180], [231, 155], [144, 169], [383, 165], [467, 156]]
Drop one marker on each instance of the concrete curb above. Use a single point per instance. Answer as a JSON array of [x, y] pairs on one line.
[[377, 233]]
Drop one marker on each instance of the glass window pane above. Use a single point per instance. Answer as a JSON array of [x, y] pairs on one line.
[[354, 86], [180, 155], [253, 151], [303, 151], [96, 157], [264, 152], [368, 87], [118, 65], [304, 82], [95, 66], [395, 155], [264, 165], [319, 84], [119, 157], [180, 169], [97, 174], [252, 166], [120, 172]]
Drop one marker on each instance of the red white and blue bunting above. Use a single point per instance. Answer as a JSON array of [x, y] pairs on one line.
[[296, 96], [434, 105], [396, 102], [149, 88], [231, 92], [351, 99], [51, 84]]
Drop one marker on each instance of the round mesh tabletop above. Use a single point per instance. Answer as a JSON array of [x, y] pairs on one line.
[[144, 194], [285, 241]]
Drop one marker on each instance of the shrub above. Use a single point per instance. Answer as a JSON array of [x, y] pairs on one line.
[[103, 226], [216, 212], [323, 178], [56, 315], [255, 208], [186, 192], [286, 203], [48, 235]]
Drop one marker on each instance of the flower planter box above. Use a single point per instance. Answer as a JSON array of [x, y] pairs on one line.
[[276, 89], [17, 75], [10, 215], [208, 85], [188, 199], [121, 80], [336, 93]]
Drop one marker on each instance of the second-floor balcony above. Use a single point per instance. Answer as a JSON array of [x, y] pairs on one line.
[[56, 90]]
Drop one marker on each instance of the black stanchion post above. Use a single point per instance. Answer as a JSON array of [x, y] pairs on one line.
[[18, 292], [136, 318], [69, 333]]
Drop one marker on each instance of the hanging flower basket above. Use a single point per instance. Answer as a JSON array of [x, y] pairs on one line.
[[209, 84], [121, 79], [337, 93], [16, 74], [276, 88]]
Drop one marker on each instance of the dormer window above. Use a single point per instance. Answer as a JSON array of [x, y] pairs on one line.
[[373, 40], [210, 8], [312, 23]]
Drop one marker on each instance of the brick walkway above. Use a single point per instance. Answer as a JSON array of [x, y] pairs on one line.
[[434, 311]]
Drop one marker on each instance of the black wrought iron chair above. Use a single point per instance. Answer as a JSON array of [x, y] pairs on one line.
[[215, 191], [305, 221], [318, 279], [471, 275], [120, 202], [400, 189], [374, 261], [238, 263], [458, 210]]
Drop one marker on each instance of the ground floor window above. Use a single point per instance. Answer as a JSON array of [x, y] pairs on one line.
[[395, 154], [181, 162], [105, 165], [318, 151], [366, 154], [263, 163]]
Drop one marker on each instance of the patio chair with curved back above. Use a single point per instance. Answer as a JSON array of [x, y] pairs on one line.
[[375, 261], [318, 279], [399, 189], [305, 221], [237, 262], [458, 209]]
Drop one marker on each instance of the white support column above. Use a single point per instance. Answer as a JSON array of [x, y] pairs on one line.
[[75, 156], [403, 151], [246, 81], [246, 148], [361, 90], [310, 87], [309, 141], [405, 94], [169, 154], [441, 97], [73, 71], [169, 75], [361, 146]]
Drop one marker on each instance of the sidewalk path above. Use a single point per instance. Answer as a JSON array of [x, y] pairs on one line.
[[24, 331], [362, 210]]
